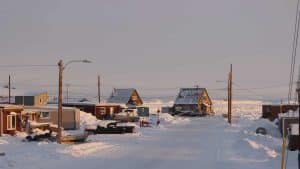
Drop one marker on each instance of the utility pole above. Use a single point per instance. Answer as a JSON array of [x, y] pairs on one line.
[[67, 85], [298, 92], [9, 89], [99, 89], [60, 77], [61, 67], [230, 95]]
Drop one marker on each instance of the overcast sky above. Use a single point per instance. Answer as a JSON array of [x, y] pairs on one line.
[[155, 46]]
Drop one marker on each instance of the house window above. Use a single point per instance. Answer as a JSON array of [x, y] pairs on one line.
[[268, 110], [44, 115], [134, 98], [11, 122], [102, 110], [178, 108]]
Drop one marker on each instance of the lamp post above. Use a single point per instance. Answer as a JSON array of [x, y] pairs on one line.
[[62, 67]]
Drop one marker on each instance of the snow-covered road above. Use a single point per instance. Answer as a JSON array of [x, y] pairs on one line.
[[193, 143]]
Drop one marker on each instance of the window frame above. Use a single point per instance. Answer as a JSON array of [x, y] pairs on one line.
[[42, 117], [102, 110], [10, 123]]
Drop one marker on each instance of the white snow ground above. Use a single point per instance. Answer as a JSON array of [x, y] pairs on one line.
[[178, 143]]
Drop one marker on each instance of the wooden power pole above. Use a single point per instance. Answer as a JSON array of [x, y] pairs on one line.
[[60, 79], [230, 95], [298, 93], [9, 88], [99, 89], [67, 85]]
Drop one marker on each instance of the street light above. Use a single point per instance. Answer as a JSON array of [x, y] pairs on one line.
[[62, 67]]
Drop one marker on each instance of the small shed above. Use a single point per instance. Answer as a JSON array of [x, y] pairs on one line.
[[271, 111], [106, 111], [10, 119], [49, 114], [32, 99], [195, 100], [129, 97], [143, 111]]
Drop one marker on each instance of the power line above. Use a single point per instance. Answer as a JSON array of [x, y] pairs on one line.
[[294, 52], [13, 66]]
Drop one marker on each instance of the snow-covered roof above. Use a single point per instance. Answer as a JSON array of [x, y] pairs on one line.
[[189, 95], [80, 103], [121, 96], [111, 104], [48, 107], [10, 106]]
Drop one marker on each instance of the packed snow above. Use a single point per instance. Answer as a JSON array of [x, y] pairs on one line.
[[177, 143], [88, 121]]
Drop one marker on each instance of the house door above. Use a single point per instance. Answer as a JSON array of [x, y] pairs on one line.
[[11, 122], [111, 112], [203, 108]]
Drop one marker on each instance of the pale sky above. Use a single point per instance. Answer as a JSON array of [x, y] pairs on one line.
[[155, 46]]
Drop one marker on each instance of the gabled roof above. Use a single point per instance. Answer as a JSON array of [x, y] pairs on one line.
[[121, 96], [189, 95]]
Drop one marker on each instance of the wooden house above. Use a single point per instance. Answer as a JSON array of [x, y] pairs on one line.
[[49, 114], [106, 111], [271, 111], [10, 119], [129, 97], [32, 99], [194, 100]]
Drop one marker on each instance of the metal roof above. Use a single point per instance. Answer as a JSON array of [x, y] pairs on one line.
[[189, 95], [121, 96]]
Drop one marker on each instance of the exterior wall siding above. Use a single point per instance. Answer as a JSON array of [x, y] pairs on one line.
[[3, 125], [271, 111], [115, 109], [70, 118]]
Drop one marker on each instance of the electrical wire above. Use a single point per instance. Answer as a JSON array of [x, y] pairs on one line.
[[13, 66], [294, 52]]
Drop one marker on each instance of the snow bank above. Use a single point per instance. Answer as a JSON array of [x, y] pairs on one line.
[[269, 152], [87, 149], [289, 114], [240, 108], [250, 127], [3, 142], [89, 121], [128, 124], [166, 117], [157, 104]]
